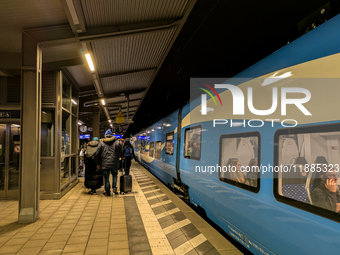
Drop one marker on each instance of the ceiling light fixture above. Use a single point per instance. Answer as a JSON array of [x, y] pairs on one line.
[[89, 61], [74, 102], [103, 102]]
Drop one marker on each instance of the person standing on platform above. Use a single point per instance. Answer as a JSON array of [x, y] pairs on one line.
[[108, 153], [93, 175], [128, 154], [120, 168]]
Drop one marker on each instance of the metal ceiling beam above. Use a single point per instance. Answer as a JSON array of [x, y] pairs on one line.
[[125, 101], [62, 64], [74, 15], [111, 95], [124, 112], [63, 35], [130, 112], [122, 109], [91, 38], [52, 36], [125, 107], [108, 104], [128, 72]]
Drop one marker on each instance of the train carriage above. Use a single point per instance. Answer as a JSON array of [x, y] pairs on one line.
[[270, 210]]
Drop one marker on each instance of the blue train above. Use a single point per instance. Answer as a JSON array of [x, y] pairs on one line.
[[251, 155]]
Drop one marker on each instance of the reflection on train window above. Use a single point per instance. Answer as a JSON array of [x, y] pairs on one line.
[[309, 168], [152, 147], [239, 160], [192, 143], [169, 147], [158, 150]]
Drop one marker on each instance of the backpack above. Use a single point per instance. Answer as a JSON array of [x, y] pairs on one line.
[[128, 151], [90, 152]]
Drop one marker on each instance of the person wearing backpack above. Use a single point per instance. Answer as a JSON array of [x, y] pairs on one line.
[[128, 154], [93, 175], [108, 153]]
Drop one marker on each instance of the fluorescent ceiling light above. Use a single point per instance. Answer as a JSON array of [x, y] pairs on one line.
[[79, 123], [74, 102], [103, 102], [275, 78], [89, 61], [110, 121]]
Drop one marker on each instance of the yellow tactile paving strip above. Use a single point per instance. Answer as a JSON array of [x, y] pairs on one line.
[[80, 223]]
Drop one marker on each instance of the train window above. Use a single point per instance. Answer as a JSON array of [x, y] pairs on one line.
[[158, 150], [307, 161], [192, 143], [239, 160], [152, 147], [169, 147]]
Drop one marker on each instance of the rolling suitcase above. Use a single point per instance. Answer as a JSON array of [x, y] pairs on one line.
[[125, 182]]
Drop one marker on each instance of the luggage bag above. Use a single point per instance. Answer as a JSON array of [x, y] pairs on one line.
[[125, 182]]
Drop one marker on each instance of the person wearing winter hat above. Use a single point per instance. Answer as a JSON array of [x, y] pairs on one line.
[[93, 175], [108, 153]]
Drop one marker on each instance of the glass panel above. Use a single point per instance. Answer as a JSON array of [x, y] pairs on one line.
[[310, 168], [2, 155], [169, 149], [66, 95], [47, 133], [65, 173], [14, 156], [75, 102], [65, 134], [239, 160], [192, 144], [75, 137], [158, 150], [74, 167], [152, 147]]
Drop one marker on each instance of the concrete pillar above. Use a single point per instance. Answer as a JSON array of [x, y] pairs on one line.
[[96, 124], [29, 190]]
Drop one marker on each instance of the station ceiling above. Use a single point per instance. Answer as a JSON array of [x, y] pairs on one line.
[[146, 51]]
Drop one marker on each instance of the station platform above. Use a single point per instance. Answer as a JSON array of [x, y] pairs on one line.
[[149, 220]]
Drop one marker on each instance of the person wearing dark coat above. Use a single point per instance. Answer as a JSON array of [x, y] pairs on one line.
[[108, 153], [326, 193], [128, 154], [93, 175]]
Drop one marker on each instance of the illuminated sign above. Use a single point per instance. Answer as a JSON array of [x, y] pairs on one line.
[[144, 137], [86, 136]]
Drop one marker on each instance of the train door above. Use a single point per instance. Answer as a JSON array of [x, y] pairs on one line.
[[9, 160]]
